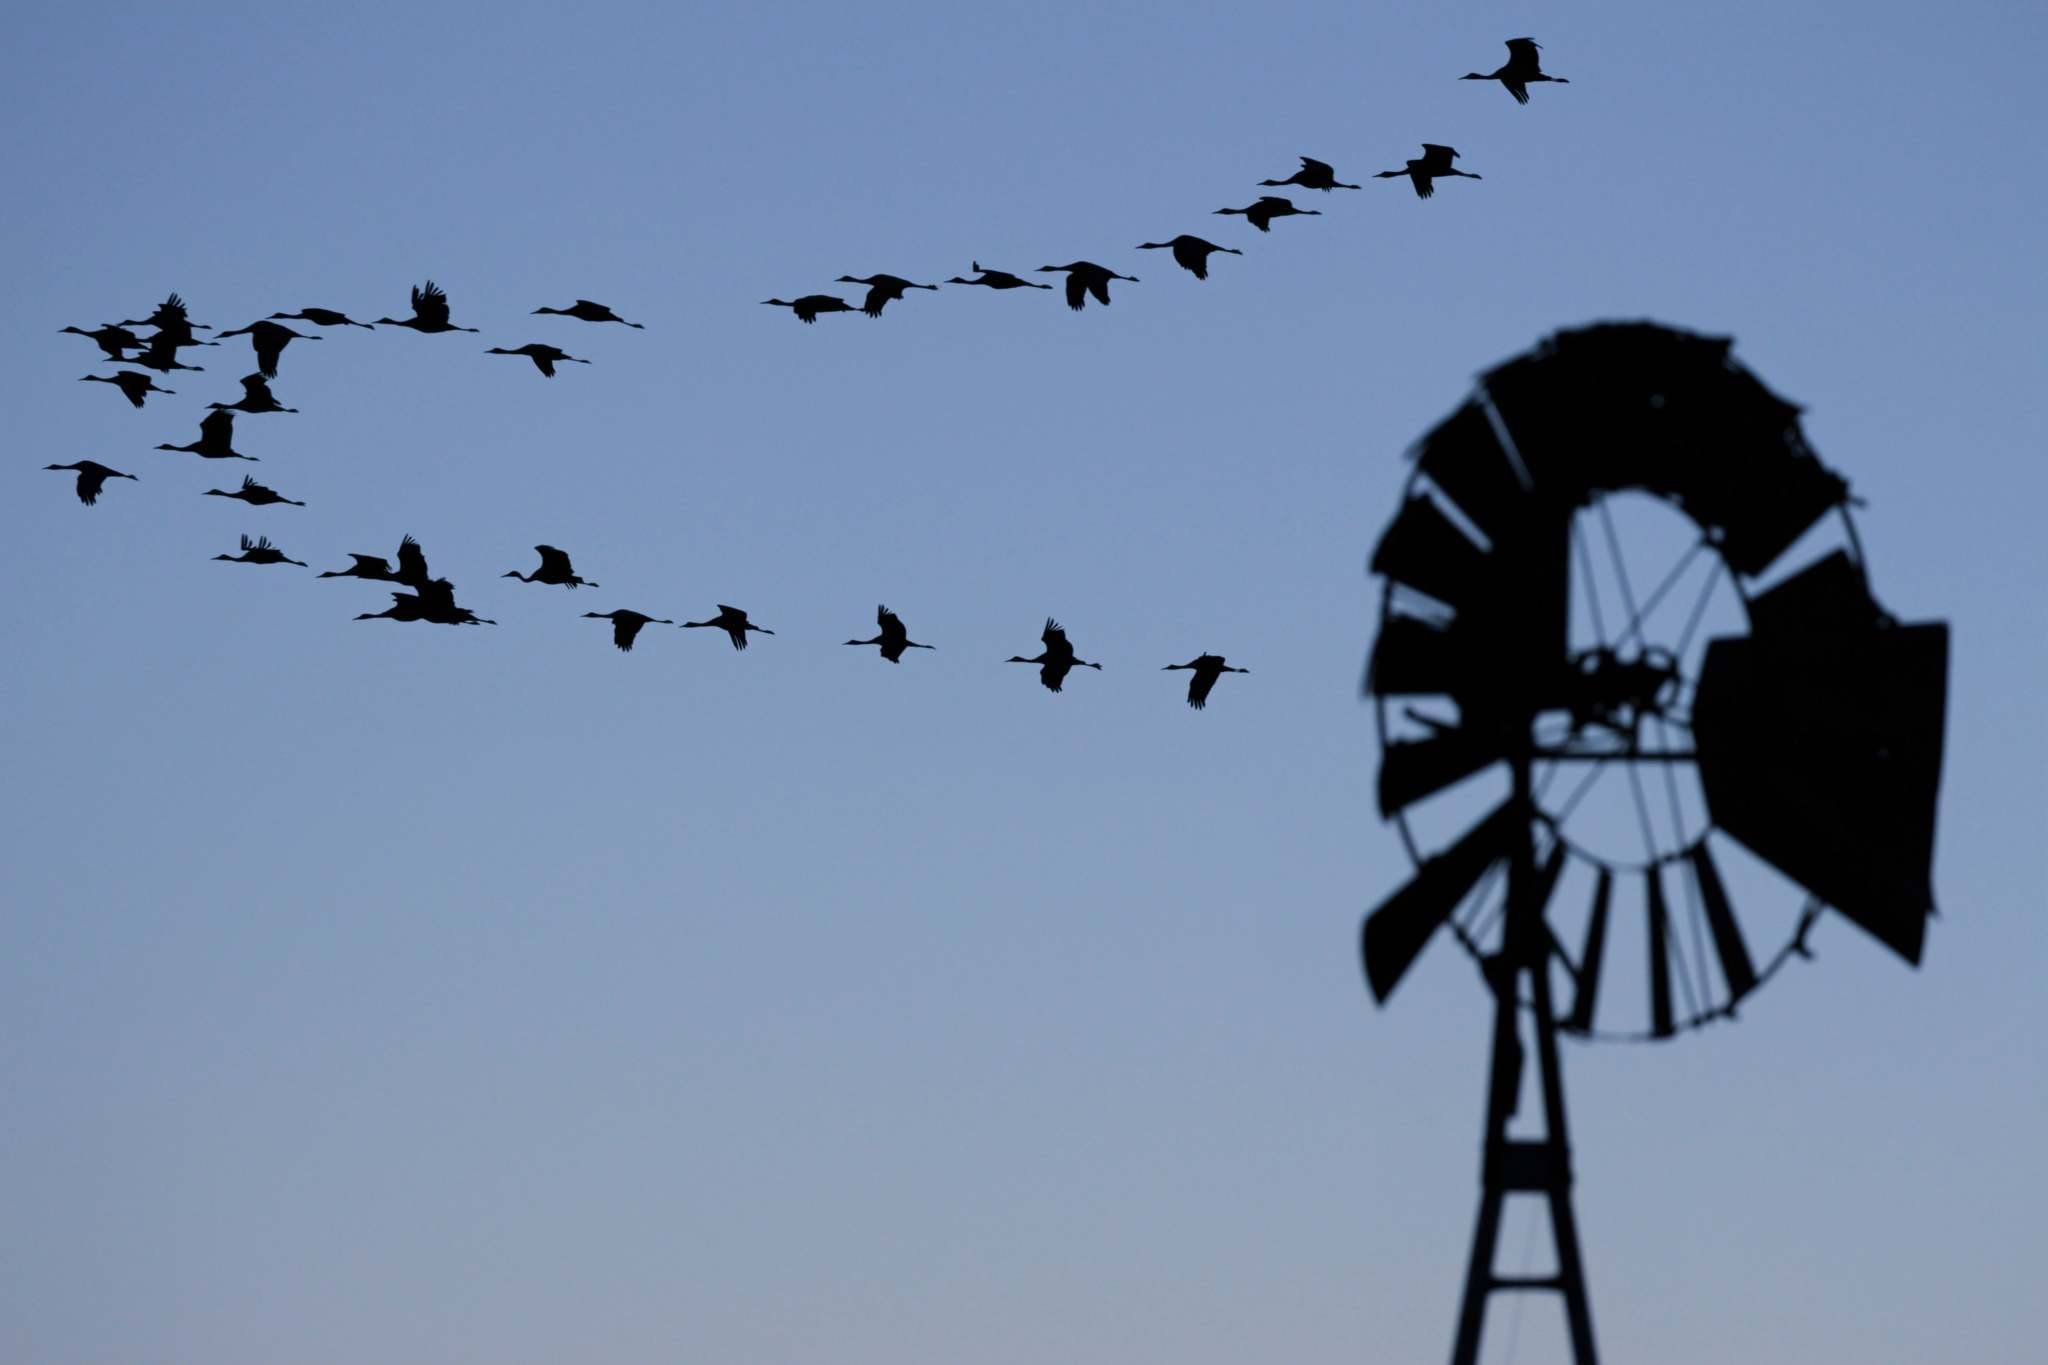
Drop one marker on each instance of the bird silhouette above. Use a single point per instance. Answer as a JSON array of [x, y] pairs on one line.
[[1314, 175], [1085, 278], [1208, 668], [160, 354], [588, 312], [543, 357], [92, 475], [1269, 207], [434, 602], [320, 317], [733, 622], [882, 290], [111, 340], [216, 438], [998, 279], [809, 306], [1190, 253], [256, 397], [554, 569], [626, 625], [170, 316], [259, 551], [1524, 68], [132, 384], [1056, 659], [253, 493], [893, 639], [412, 567], [429, 312], [269, 338], [1432, 165]]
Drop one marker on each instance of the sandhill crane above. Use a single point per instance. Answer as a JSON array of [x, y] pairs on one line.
[[253, 493], [269, 338], [256, 397], [1085, 278], [412, 567], [132, 383], [998, 279], [1269, 207], [733, 622], [1056, 659], [544, 358], [893, 639], [626, 625], [1524, 69], [1314, 175], [554, 569], [882, 290], [160, 353], [1432, 165], [588, 312], [1208, 668], [321, 317], [429, 312], [412, 564], [1190, 253], [92, 475], [434, 603], [216, 438], [111, 340], [170, 316], [259, 551], [809, 306]]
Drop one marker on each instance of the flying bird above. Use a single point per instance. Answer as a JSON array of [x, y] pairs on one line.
[[1523, 70], [256, 397], [321, 317], [554, 569], [1056, 659], [544, 358], [998, 279], [132, 383], [1190, 253], [1269, 207], [111, 340], [269, 338], [159, 353], [588, 312], [626, 625], [893, 639], [429, 312], [1432, 165], [883, 290], [809, 306], [170, 316], [1085, 278], [1207, 668], [259, 551], [434, 603], [216, 438], [253, 493], [412, 567], [733, 622], [1314, 175], [92, 475]]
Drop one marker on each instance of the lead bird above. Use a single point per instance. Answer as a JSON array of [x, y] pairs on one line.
[[733, 622], [1190, 253], [587, 312], [1432, 165], [555, 570], [260, 551], [1085, 278], [429, 312], [133, 384], [1524, 69], [269, 339], [998, 279], [809, 306], [216, 438], [1314, 175], [893, 639], [1207, 669], [626, 625], [253, 493], [883, 290], [544, 357], [256, 397], [1057, 659], [1269, 207], [92, 476]]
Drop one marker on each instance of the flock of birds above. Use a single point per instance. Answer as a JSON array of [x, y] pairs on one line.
[[432, 599]]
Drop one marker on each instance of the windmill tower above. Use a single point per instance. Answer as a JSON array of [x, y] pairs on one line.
[[1524, 674]]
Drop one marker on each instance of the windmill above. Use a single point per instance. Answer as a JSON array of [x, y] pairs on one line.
[[1769, 721]]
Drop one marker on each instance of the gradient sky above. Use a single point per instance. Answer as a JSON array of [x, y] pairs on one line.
[[379, 992]]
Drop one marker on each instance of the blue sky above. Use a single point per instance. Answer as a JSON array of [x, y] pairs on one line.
[[377, 991]]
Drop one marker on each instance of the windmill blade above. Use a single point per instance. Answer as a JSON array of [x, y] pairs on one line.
[[1423, 550], [1395, 932], [1736, 968], [1829, 594], [1464, 459], [1414, 769], [1660, 953], [1580, 1020], [1411, 657], [1821, 753]]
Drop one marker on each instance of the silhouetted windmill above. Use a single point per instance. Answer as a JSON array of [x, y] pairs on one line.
[[429, 312], [1207, 669], [256, 397], [809, 306], [1056, 660], [1190, 253], [259, 551], [1314, 175], [544, 357], [1424, 171], [894, 637], [134, 386], [1085, 278], [1504, 698], [269, 338], [554, 569], [216, 438], [733, 622], [1524, 69], [588, 312], [92, 476], [883, 290], [998, 279], [626, 625], [253, 493], [1270, 206]]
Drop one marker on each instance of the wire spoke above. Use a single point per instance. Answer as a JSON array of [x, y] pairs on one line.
[[1592, 588], [1628, 597]]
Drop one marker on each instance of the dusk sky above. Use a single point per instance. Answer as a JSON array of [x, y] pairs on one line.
[[398, 993]]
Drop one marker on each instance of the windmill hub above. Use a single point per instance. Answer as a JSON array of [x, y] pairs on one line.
[[1613, 691]]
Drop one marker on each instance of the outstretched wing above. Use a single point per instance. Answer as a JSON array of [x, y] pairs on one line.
[[217, 428], [368, 566], [269, 346], [1077, 292], [412, 563], [624, 627], [254, 390], [429, 303], [1199, 685], [1055, 636], [1098, 285], [1522, 51], [1317, 169], [553, 562]]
